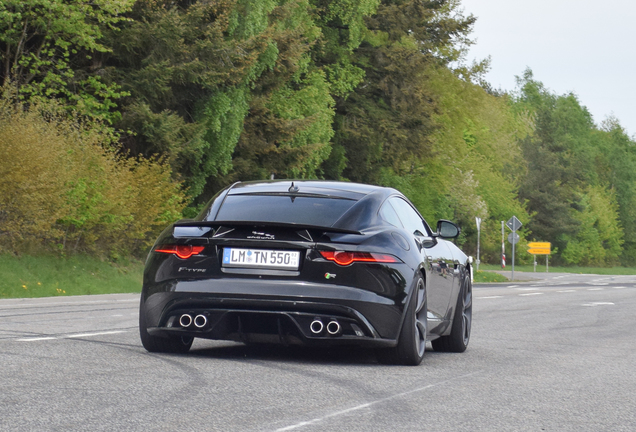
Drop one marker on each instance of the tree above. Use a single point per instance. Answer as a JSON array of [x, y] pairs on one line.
[[616, 161], [387, 122], [599, 238], [51, 49]]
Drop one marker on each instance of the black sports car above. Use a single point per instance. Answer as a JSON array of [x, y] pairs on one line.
[[308, 262]]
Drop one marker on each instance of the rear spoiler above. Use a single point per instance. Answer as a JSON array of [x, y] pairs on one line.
[[206, 226]]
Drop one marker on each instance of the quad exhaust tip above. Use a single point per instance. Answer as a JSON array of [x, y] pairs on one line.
[[333, 328], [185, 320], [316, 326], [200, 321]]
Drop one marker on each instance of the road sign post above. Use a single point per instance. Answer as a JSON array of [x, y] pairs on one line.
[[514, 224], [540, 248], [503, 247], [478, 222]]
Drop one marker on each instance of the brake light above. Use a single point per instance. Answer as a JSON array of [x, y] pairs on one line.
[[182, 251], [344, 258]]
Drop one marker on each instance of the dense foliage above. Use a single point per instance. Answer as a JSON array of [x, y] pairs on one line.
[[62, 187], [175, 99]]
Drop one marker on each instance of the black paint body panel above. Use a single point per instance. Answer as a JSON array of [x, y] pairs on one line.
[[257, 305]]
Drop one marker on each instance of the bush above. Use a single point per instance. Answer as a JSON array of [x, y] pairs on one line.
[[63, 186]]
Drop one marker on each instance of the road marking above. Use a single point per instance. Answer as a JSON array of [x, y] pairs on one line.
[[527, 289], [117, 315], [368, 404], [595, 289], [95, 334], [529, 294], [596, 283], [598, 304], [566, 291], [620, 287], [490, 297], [61, 303], [512, 286], [79, 335]]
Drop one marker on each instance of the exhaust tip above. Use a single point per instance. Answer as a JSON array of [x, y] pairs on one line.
[[316, 326], [185, 320], [333, 328], [200, 321]]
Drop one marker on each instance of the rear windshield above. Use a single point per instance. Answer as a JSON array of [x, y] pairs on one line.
[[283, 209]]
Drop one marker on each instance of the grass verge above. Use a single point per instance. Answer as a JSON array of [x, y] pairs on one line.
[[48, 276], [488, 276], [577, 270]]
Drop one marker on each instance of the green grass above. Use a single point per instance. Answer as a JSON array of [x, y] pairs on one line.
[[578, 270], [488, 276], [48, 276]]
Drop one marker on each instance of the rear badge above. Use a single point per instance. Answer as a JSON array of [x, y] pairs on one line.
[[192, 270], [261, 236], [330, 276]]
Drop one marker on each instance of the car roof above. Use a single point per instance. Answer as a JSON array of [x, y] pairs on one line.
[[321, 187]]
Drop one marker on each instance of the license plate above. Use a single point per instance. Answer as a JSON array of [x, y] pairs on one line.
[[261, 258]]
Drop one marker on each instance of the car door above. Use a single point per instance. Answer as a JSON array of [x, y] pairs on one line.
[[437, 255]]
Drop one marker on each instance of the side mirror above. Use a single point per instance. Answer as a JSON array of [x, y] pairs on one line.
[[447, 229]]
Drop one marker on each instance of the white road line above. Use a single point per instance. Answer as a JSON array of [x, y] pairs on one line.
[[529, 294], [513, 286], [527, 289], [95, 334], [117, 315], [368, 404], [489, 297], [620, 287], [80, 335], [595, 289], [598, 304], [78, 303], [566, 291]]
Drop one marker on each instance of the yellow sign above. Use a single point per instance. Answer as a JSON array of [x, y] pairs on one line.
[[539, 251], [539, 245]]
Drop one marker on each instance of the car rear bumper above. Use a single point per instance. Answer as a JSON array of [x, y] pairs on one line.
[[276, 311]]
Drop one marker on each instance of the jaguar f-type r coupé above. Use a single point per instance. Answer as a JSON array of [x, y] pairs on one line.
[[309, 262]]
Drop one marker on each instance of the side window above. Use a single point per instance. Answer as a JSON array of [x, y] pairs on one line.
[[388, 214], [409, 217]]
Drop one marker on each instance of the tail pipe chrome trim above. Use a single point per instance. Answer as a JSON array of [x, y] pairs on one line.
[[316, 326], [333, 328], [200, 321], [185, 320]]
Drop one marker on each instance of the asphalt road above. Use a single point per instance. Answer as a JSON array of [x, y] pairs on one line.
[[553, 354]]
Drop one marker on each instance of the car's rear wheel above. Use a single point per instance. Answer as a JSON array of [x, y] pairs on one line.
[[459, 337], [412, 341], [155, 344]]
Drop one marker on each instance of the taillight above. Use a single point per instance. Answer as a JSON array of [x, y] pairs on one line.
[[182, 251], [344, 258]]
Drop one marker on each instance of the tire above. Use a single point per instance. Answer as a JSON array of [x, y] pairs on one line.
[[155, 344], [459, 336], [412, 341]]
